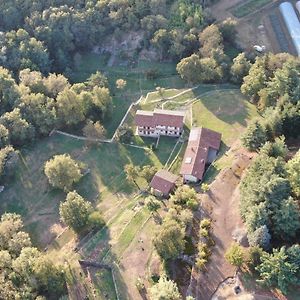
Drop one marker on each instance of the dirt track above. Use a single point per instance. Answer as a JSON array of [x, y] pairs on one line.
[[222, 205]]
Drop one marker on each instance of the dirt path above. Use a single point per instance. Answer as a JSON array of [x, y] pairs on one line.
[[222, 205]]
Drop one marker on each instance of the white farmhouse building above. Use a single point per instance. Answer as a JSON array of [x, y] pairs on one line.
[[159, 122]]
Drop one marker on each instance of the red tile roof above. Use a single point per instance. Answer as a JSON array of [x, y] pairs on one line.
[[163, 181], [195, 157], [158, 117]]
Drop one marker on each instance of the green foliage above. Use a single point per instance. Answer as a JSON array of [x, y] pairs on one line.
[[276, 149], [75, 212], [152, 203], [62, 171], [293, 170], [254, 136], [260, 237], [265, 198], [185, 196], [169, 242], [24, 271], [20, 131], [95, 220], [280, 268], [164, 289], [240, 68], [148, 172], [8, 161], [235, 255]]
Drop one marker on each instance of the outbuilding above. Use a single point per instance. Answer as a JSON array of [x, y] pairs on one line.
[[163, 183]]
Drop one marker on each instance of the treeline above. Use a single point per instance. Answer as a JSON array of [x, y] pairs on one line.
[[273, 84], [25, 272], [210, 63], [38, 104], [270, 190], [45, 36]]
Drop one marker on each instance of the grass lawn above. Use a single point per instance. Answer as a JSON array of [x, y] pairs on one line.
[[137, 83], [248, 7]]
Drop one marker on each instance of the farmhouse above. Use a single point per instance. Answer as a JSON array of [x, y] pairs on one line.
[[202, 148], [159, 122], [163, 182]]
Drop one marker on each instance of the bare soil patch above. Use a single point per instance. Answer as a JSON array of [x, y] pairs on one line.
[[222, 205]]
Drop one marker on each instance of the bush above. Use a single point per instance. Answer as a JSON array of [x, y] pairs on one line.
[[95, 220], [140, 284], [200, 263], [192, 204], [205, 223]]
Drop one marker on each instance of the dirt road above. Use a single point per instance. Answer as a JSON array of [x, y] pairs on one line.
[[222, 205]]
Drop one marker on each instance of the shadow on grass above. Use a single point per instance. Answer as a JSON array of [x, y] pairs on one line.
[[228, 106]]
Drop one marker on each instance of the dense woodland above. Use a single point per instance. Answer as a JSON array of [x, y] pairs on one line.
[[38, 42]]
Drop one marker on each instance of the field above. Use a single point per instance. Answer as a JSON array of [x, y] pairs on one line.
[[248, 7]]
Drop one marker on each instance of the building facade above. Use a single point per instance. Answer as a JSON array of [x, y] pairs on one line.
[[159, 122]]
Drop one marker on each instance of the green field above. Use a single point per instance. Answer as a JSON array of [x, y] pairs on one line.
[[248, 7]]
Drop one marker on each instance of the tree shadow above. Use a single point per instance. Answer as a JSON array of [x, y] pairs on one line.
[[229, 107]]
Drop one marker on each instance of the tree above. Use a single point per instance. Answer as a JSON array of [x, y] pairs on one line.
[[9, 159], [165, 290], [75, 212], [260, 237], [132, 173], [161, 40], [185, 196], [255, 80], [293, 170], [62, 171], [277, 269], [121, 84], [12, 239], [148, 172], [276, 149], [96, 80], [240, 68], [40, 111], [287, 219], [50, 278], [254, 136], [20, 131], [210, 40], [70, 108], [169, 242], [235, 255], [228, 30], [4, 134], [152, 204], [94, 130]]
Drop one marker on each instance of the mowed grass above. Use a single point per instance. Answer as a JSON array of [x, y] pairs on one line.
[[248, 7], [135, 75], [227, 112]]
